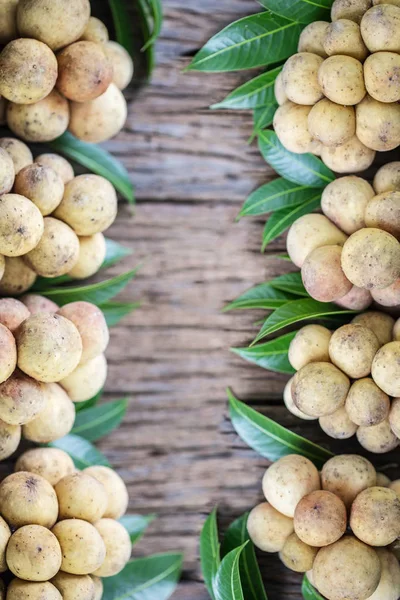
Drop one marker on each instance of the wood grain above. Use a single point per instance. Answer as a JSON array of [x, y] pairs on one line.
[[192, 169]]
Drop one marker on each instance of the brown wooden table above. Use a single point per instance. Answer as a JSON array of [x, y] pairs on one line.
[[192, 169]]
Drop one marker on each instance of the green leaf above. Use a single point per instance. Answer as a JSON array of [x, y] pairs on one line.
[[227, 584], [151, 578], [302, 11], [145, 22], [297, 311], [284, 257], [291, 283], [97, 293], [281, 220], [98, 421], [263, 117], [136, 525], [275, 195], [270, 439], [262, 296], [236, 535], [209, 551], [114, 312], [252, 94], [254, 41], [272, 355], [114, 253], [88, 403], [304, 169], [308, 591], [98, 160], [82, 452], [156, 12], [122, 25]]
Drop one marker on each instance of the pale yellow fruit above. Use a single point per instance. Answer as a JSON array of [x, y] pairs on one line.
[[54, 22], [331, 124], [33, 553], [7, 172], [268, 529], [58, 163], [91, 324], [8, 26], [37, 501], [37, 304], [375, 516], [115, 487], [341, 79], [28, 71], [389, 584], [122, 64], [118, 547], [312, 38], [81, 496], [352, 349], [344, 202], [95, 31], [296, 555], [19, 152], [82, 547], [5, 534], [51, 463], [380, 75], [42, 185], [49, 347], [323, 525], [17, 277], [366, 403], [350, 9], [323, 275], [288, 480], [29, 590], [12, 313], [351, 157], [86, 380], [380, 323], [291, 127], [378, 438], [290, 405], [92, 252], [74, 587], [8, 353], [378, 124], [338, 425], [55, 421], [356, 299], [385, 371], [21, 399], [310, 344], [21, 225], [98, 585], [344, 37], [346, 475], [320, 389], [300, 78], [10, 436], [347, 569], [380, 28], [387, 178]]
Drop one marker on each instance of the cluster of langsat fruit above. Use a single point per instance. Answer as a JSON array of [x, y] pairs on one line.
[[59, 533], [339, 95], [351, 254], [349, 379], [51, 222], [50, 357], [59, 71], [306, 519]]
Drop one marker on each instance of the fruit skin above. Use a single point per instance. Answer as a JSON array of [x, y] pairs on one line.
[[33, 553], [95, 31], [51, 463], [291, 127], [19, 152], [320, 389], [338, 425], [17, 278], [347, 475], [349, 9], [29, 590], [7, 172], [28, 71], [74, 587], [58, 163], [379, 81], [378, 125], [288, 480], [352, 349], [42, 185], [116, 490], [56, 419], [91, 324], [118, 547], [81, 496], [385, 370], [366, 403], [320, 519], [344, 201], [12, 313], [310, 344], [341, 79], [387, 178], [323, 276], [378, 438], [49, 347], [122, 64], [344, 37], [296, 555], [54, 22], [351, 157], [380, 323], [380, 28], [389, 584], [92, 252], [21, 399], [331, 124], [37, 501], [8, 353], [358, 565], [300, 78], [82, 547], [268, 529], [375, 516]]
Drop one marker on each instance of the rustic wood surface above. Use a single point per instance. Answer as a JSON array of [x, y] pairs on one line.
[[192, 169]]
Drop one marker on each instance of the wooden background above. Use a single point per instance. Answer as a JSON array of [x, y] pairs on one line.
[[192, 169]]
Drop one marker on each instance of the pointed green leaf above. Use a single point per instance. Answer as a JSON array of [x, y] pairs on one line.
[[281, 220], [114, 253], [114, 312], [227, 584], [156, 12], [97, 160], [262, 296], [252, 94], [284, 257], [272, 355], [308, 591], [88, 403], [151, 578], [263, 117], [304, 169], [136, 525], [302, 11], [291, 283], [122, 25], [98, 421], [236, 535], [297, 311], [82, 452], [146, 27], [276, 195], [97, 293], [254, 41], [209, 551], [270, 439]]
